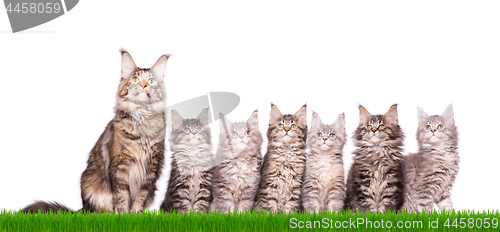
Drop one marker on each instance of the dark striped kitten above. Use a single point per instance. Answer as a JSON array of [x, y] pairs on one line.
[[323, 188], [284, 162], [375, 180], [430, 173], [190, 183], [238, 159], [126, 161]]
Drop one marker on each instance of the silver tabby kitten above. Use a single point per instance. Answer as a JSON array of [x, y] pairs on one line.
[[284, 162], [430, 173], [190, 183], [323, 188], [375, 180], [238, 158]]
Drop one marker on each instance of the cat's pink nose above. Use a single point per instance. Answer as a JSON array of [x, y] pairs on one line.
[[374, 129], [325, 139], [433, 130]]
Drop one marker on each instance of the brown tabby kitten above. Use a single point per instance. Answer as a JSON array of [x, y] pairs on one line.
[[323, 188], [190, 184], [284, 162], [375, 180], [430, 173], [127, 159], [238, 159]]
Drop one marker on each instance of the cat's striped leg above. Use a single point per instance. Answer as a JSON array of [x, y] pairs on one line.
[[310, 200], [445, 203]]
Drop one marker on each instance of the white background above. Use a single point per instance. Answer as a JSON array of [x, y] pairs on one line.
[[58, 80]]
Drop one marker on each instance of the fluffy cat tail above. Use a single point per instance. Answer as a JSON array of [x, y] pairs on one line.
[[45, 206]]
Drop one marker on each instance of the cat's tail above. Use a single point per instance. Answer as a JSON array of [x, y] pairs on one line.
[[44, 206]]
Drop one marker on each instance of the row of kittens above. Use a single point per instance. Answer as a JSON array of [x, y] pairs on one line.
[[128, 158]]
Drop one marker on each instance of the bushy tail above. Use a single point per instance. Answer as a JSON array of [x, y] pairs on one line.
[[44, 206]]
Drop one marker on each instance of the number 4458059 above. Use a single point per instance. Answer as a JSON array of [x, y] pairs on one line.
[[472, 223], [32, 8]]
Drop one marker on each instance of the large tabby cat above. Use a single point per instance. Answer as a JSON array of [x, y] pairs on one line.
[[126, 161], [323, 188], [238, 159], [284, 162], [430, 173], [375, 180], [190, 184]]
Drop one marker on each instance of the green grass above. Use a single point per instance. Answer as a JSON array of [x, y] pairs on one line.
[[159, 221]]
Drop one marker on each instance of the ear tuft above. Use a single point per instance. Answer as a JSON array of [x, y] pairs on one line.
[[364, 115], [128, 65], [203, 117], [422, 117], [391, 116], [177, 120], [158, 69], [448, 115], [301, 116]]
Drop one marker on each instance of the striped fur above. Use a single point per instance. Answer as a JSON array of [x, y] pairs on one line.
[[126, 161], [430, 173], [284, 162], [375, 180], [323, 188], [190, 184], [238, 159]]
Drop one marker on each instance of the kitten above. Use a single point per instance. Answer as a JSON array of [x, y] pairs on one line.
[[375, 180], [126, 161], [430, 173], [237, 175], [323, 188], [284, 162], [190, 184]]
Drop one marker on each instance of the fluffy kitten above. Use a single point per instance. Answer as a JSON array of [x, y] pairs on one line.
[[323, 188], [126, 161], [190, 183], [284, 162], [237, 175], [430, 173], [375, 180]]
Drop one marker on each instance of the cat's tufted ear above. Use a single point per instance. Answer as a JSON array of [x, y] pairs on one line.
[[224, 123], [301, 116], [159, 67], [177, 120], [253, 121], [276, 115], [128, 66], [391, 116], [339, 124], [364, 115], [203, 117], [422, 117], [448, 116], [316, 123]]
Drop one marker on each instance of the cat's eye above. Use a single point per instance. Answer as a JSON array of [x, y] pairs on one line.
[[235, 134], [320, 135], [198, 129], [151, 81], [247, 132], [369, 127], [187, 130], [331, 135], [293, 126], [428, 127], [280, 126], [135, 80], [440, 126], [381, 126]]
